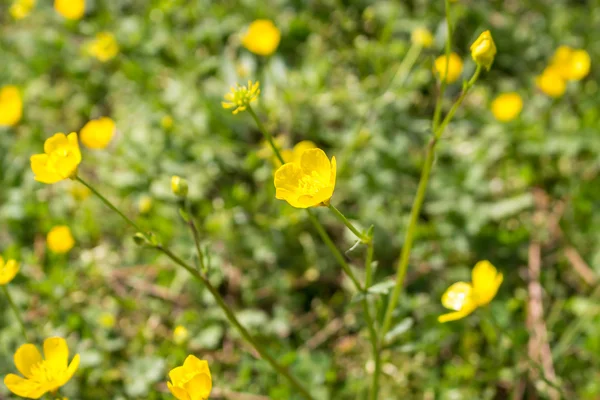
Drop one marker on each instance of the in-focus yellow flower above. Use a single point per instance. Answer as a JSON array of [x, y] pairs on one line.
[[422, 37], [192, 380], [60, 240], [295, 154], [104, 47], [179, 186], [455, 67], [307, 183], [180, 334], [483, 50], [11, 105], [8, 270], [262, 37], [97, 133], [464, 298], [60, 159], [571, 64], [42, 375], [551, 82], [21, 8], [507, 106], [70, 9], [241, 96]]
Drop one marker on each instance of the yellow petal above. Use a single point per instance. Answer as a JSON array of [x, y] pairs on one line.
[[179, 393], [70, 370], [194, 364], [458, 296], [332, 176], [199, 387], [8, 271], [56, 352], [27, 356], [24, 387], [56, 141], [177, 375], [453, 316], [299, 149], [486, 281], [314, 162]]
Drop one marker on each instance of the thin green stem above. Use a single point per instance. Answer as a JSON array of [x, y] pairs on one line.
[[235, 322], [266, 134], [438, 106], [336, 253], [407, 63], [369, 264], [109, 204], [374, 391], [16, 311], [196, 236], [348, 224]]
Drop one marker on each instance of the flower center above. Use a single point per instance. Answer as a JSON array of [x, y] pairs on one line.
[[45, 372], [311, 184]]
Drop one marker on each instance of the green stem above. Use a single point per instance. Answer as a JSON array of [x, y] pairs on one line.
[[109, 204], [417, 204], [374, 391], [16, 311], [220, 301], [407, 63], [266, 134], [336, 253], [369, 264], [438, 106], [196, 236], [348, 224]]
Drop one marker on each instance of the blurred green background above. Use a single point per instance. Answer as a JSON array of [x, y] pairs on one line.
[[497, 191]]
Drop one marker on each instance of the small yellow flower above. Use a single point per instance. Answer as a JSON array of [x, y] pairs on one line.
[[21, 8], [422, 37], [464, 298], [107, 320], [241, 96], [507, 106], [97, 133], [571, 64], [70, 9], [60, 240], [191, 381], [8, 270], [262, 37], [145, 204], [179, 186], [104, 47], [11, 106], [60, 159], [551, 82], [455, 67], [42, 375], [295, 154], [483, 50], [307, 183], [166, 122], [180, 334]]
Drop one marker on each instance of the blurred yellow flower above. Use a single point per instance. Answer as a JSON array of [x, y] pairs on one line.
[[107, 320], [11, 105], [60, 159], [180, 334], [21, 8], [70, 9], [464, 298], [179, 186], [483, 50], [97, 133], [166, 122], [422, 37], [455, 67], [571, 64], [307, 183], [79, 192], [191, 381], [295, 154], [145, 204], [241, 96], [507, 106], [8, 270], [551, 82], [104, 47], [42, 375], [262, 37], [60, 240]]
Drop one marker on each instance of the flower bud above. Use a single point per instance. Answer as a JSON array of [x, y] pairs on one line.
[[179, 186], [483, 50]]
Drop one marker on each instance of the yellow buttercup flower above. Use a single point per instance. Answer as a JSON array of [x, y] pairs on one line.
[[192, 380], [8, 270], [455, 67], [21, 8], [295, 154], [262, 37], [11, 106], [464, 298], [571, 64], [60, 159], [179, 186], [104, 47], [98, 133], [551, 82], [180, 334], [145, 204], [507, 106], [241, 96], [107, 320], [307, 183], [422, 37], [483, 50], [60, 240], [70, 9], [41, 375], [166, 122]]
